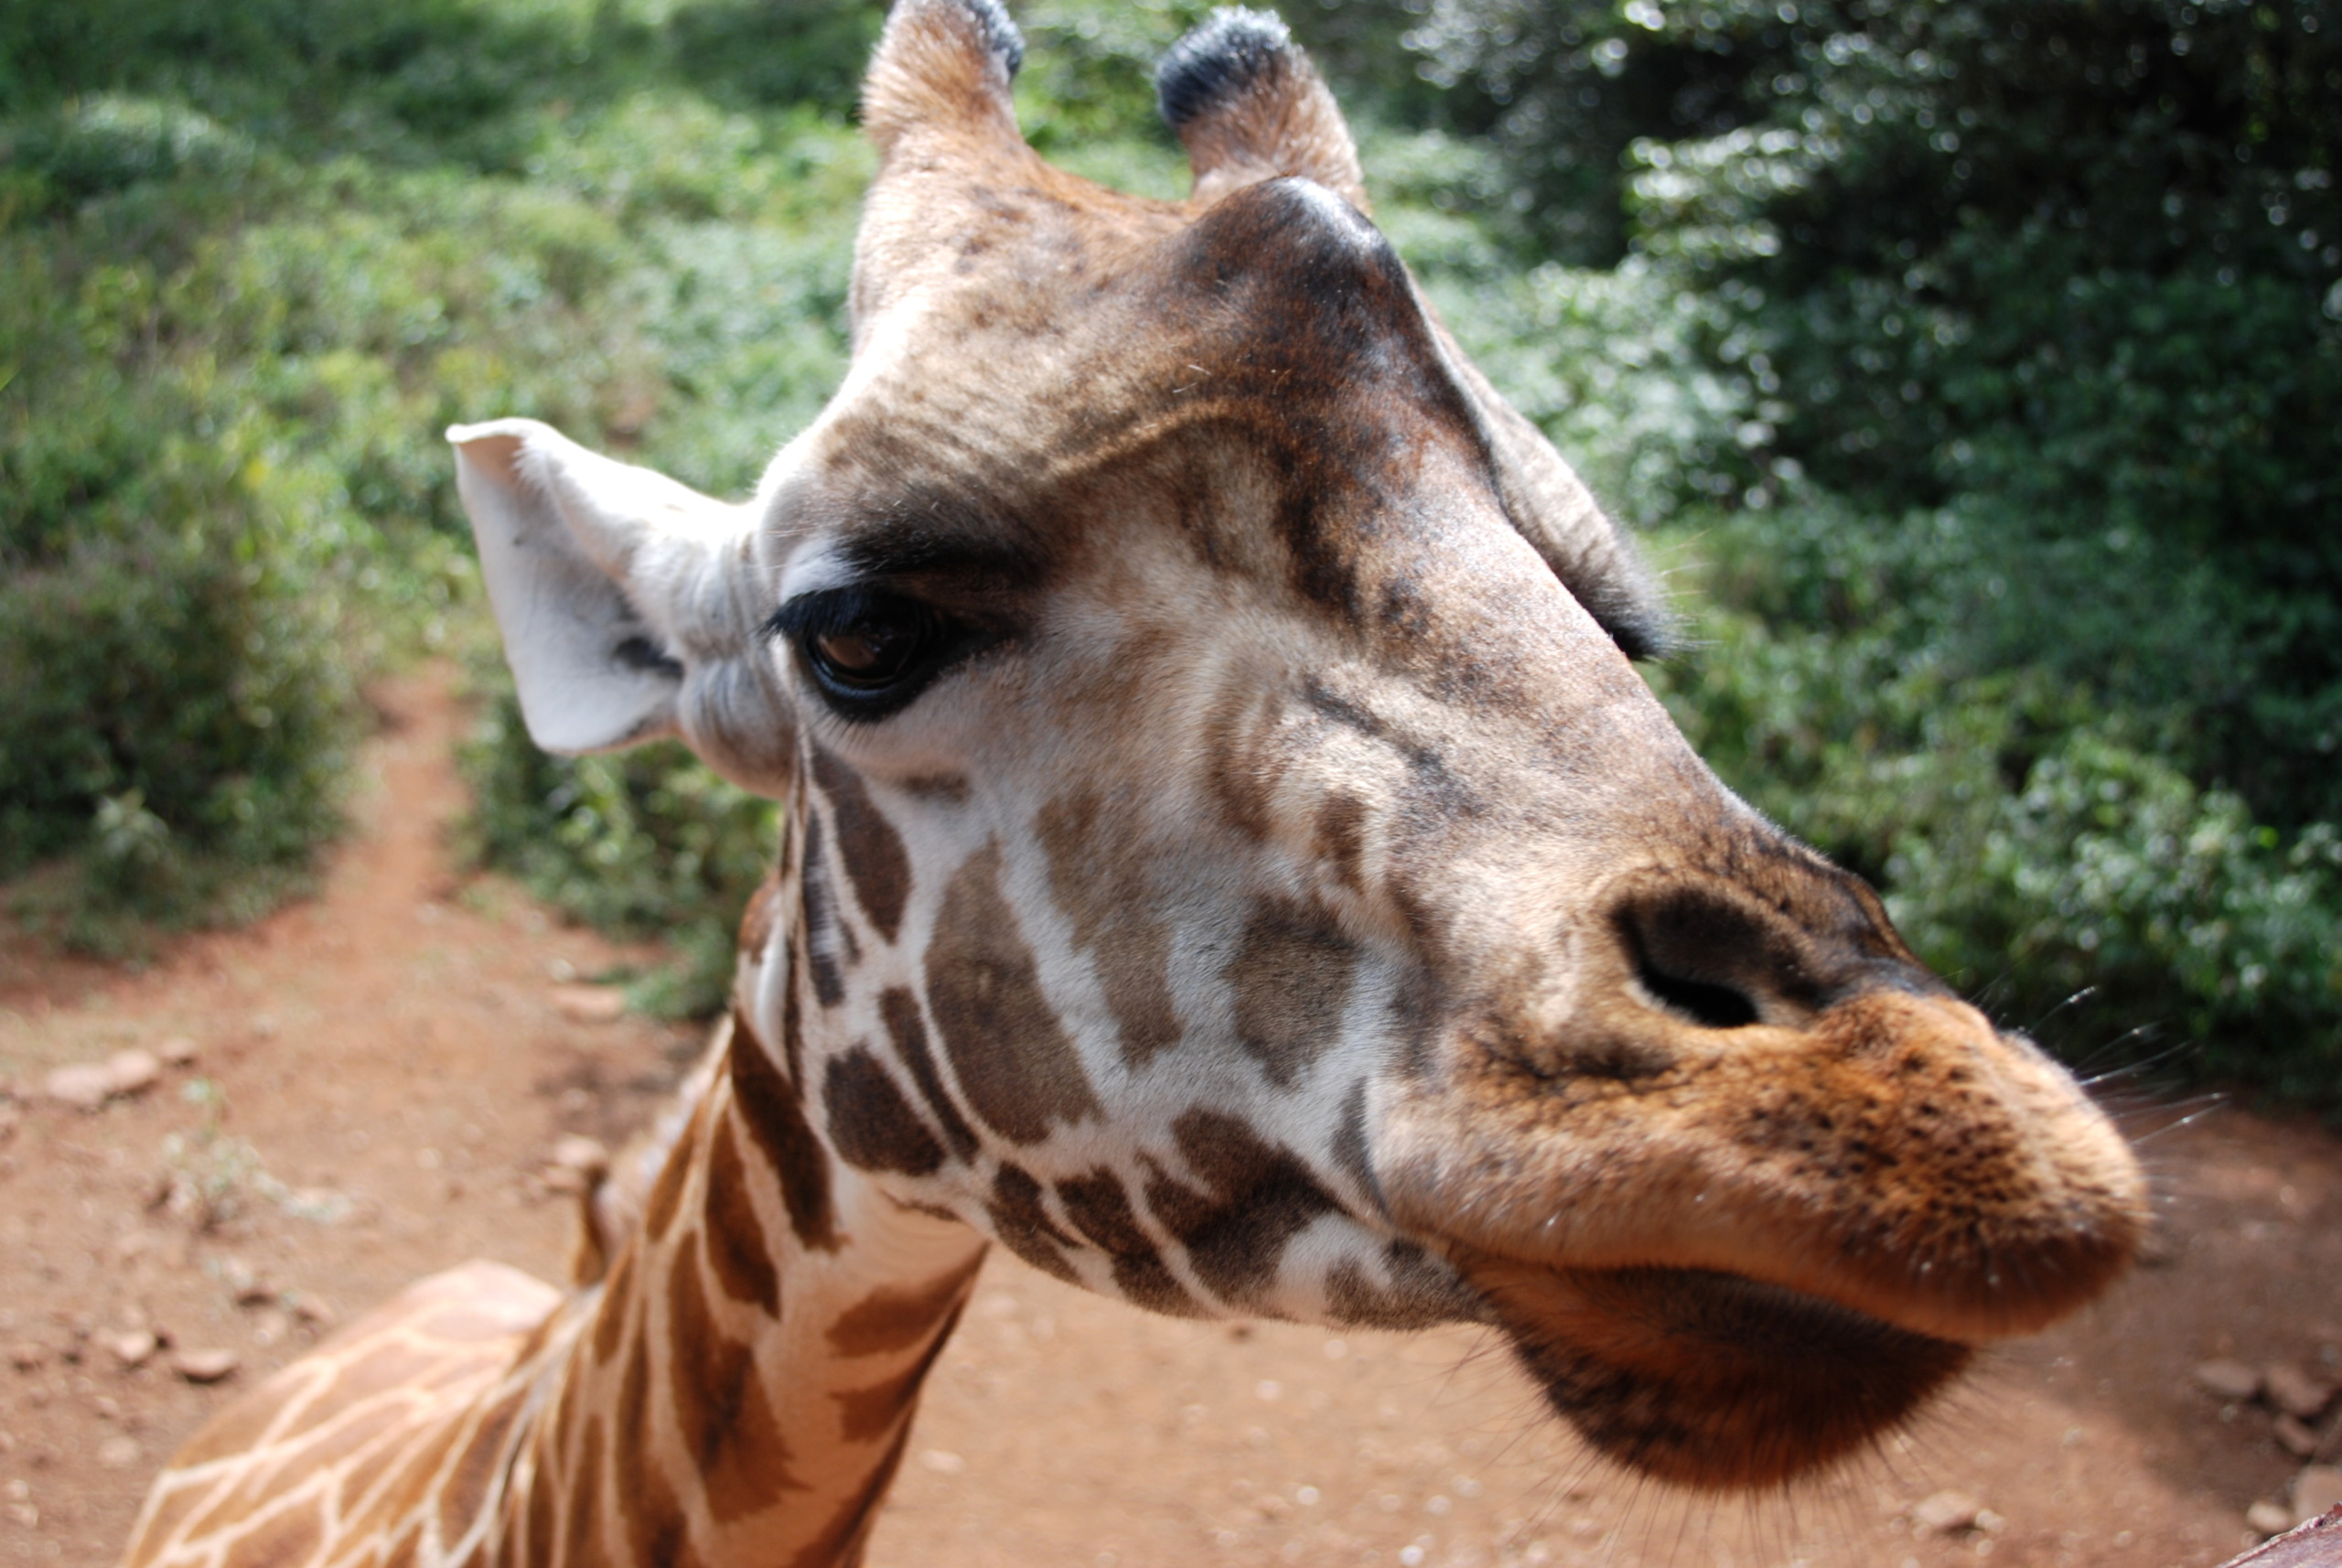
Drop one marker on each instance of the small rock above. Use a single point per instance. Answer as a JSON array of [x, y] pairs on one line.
[[2295, 1391], [2229, 1379], [27, 1357], [25, 1514], [246, 1286], [2316, 1489], [943, 1462], [118, 1453], [576, 1152], [1945, 1512], [84, 1086], [204, 1366], [2295, 1438], [131, 1072], [177, 1051], [2269, 1519], [589, 1004], [133, 1346], [310, 1309]]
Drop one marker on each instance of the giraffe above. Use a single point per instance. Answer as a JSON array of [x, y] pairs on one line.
[[1234, 866]]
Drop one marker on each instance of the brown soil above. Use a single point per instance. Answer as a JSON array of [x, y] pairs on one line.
[[380, 1073]]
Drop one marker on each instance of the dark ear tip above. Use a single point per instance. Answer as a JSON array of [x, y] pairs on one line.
[[1000, 34], [1232, 47]]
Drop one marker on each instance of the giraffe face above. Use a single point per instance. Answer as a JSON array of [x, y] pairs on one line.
[[1235, 864]]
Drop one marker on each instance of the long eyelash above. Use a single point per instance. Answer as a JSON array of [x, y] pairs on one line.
[[814, 614]]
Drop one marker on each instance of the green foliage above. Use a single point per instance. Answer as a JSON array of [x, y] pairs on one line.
[[646, 845], [254, 258]]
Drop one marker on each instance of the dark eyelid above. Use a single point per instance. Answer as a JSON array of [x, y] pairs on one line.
[[931, 547], [823, 609]]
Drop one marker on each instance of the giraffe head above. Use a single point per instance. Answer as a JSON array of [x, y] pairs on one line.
[[1234, 862]]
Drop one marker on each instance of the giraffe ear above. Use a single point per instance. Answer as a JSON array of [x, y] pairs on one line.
[[945, 66], [1249, 106], [626, 601]]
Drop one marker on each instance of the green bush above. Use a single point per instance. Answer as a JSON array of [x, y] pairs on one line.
[[174, 699], [648, 843]]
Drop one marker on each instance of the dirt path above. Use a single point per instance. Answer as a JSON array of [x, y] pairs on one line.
[[379, 1075]]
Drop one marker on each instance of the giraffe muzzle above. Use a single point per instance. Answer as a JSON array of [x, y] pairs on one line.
[[1761, 1191]]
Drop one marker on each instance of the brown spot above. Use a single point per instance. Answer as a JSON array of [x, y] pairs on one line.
[[413, 1479], [1100, 1208], [735, 1237], [1017, 1068], [542, 1548], [169, 1504], [288, 1536], [722, 1414], [404, 1552], [1291, 974], [1261, 1196], [633, 1418], [841, 1540], [821, 933], [478, 1466], [1113, 912], [656, 1529], [873, 1127], [872, 849], [1020, 1221], [778, 1124], [900, 1009], [1341, 838], [1421, 1293], [1231, 766], [610, 1312], [763, 912], [864, 1413], [666, 1192], [235, 1430], [888, 1320]]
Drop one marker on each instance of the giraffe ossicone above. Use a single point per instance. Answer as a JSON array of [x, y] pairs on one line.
[[1233, 866]]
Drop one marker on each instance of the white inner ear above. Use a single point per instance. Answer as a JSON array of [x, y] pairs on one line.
[[562, 531]]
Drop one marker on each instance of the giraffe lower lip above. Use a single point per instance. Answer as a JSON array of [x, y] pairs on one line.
[[1711, 1380]]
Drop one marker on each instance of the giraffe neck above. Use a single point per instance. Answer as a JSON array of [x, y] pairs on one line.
[[742, 1387]]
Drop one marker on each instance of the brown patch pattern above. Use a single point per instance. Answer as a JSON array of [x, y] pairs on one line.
[[873, 1127], [864, 1413], [1291, 974], [1024, 1226], [889, 1319], [909, 1032], [777, 1123], [1013, 1059], [821, 933], [722, 1412], [1260, 1198], [1112, 913], [872, 851], [734, 1237], [1099, 1207]]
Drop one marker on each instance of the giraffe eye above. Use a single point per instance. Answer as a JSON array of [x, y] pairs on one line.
[[869, 653]]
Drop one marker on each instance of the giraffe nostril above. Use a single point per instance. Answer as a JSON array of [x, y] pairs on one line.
[[1710, 956], [1702, 1002]]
